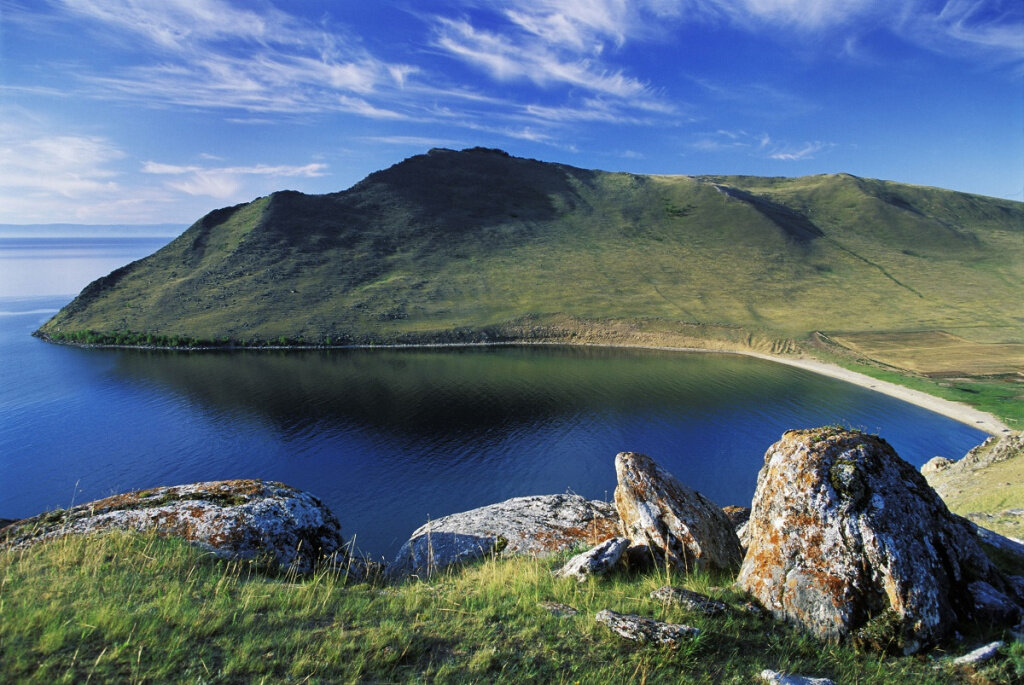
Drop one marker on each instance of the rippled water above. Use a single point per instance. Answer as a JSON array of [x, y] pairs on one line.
[[390, 438]]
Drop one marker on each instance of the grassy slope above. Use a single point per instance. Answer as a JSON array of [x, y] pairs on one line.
[[481, 240], [120, 608]]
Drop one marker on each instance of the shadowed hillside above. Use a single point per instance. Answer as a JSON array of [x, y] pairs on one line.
[[479, 245]]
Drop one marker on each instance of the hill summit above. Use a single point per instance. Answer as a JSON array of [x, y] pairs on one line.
[[476, 244]]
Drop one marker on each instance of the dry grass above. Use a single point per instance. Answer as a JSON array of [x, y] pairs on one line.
[[936, 353]]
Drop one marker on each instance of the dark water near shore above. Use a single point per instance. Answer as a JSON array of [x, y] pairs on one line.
[[390, 438]]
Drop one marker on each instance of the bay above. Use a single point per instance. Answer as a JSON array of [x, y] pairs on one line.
[[391, 438]]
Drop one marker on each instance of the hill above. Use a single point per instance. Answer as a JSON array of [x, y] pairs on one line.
[[478, 245]]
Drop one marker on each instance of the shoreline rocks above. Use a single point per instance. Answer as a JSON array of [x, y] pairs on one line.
[[849, 541], [687, 529], [245, 519], [532, 526]]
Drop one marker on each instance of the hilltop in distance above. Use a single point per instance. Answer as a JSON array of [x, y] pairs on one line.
[[477, 245]]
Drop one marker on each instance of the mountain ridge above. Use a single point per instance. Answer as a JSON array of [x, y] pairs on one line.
[[478, 244]]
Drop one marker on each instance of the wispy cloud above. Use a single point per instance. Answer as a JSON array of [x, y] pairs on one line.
[[507, 59], [759, 145], [211, 54], [224, 182]]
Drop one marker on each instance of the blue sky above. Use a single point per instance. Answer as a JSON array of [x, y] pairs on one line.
[[135, 111]]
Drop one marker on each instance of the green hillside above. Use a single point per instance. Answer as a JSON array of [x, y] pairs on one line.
[[475, 245]]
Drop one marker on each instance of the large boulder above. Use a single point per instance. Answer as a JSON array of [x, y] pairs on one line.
[[688, 529], [848, 540], [533, 526], [247, 519]]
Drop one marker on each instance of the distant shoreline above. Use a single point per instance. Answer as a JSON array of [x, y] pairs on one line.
[[954, 410]]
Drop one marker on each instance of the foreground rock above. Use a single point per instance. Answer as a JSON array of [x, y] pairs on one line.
[[246, 519], [643, 629], [690, 531], [848, 540], [596, 561], [533, 526]]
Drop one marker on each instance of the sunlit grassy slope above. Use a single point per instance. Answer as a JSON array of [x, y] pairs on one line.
[[461, 245]]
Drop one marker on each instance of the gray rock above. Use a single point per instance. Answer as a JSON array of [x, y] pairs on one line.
[[1004, 544], [6, 522], [247, 519], [643, 629], [533, 526], [979, 655], [594, 562], [776, 678], [690, 531], [992, 606], [694, 601], [848, 540]]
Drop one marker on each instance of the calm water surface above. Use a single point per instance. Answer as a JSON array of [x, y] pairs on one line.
[[390, 438]]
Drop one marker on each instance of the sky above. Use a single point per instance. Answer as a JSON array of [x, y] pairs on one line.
[[158, 111]]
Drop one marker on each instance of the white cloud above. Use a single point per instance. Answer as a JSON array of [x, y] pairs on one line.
[[223, 183], [66, 165]]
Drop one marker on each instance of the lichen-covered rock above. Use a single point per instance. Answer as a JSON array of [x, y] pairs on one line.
[[532, 526], [689, 530], [694, 601], [848, 540], [643, 629], [247, 519], [595, 561]]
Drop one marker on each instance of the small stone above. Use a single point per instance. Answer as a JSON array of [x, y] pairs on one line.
[[737, 515], [594, 562], [643, 629], [558, 609], [980, 655], [694, 601], [935, 465], [776, 678]]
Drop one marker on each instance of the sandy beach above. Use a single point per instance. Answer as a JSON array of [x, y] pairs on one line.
[[954, 410]]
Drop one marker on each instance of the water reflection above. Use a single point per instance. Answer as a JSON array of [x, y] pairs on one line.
[[390, 438]]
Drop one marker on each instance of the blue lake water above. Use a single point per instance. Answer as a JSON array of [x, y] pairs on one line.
[[391, 438]]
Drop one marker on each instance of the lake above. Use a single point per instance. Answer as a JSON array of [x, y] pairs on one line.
[[391, 438]]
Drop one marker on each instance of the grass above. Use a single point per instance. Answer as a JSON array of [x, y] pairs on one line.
[[992, 496], [134, 608], [1002, 395]]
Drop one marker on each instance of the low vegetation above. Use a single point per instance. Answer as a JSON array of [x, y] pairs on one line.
[[135, 608]]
